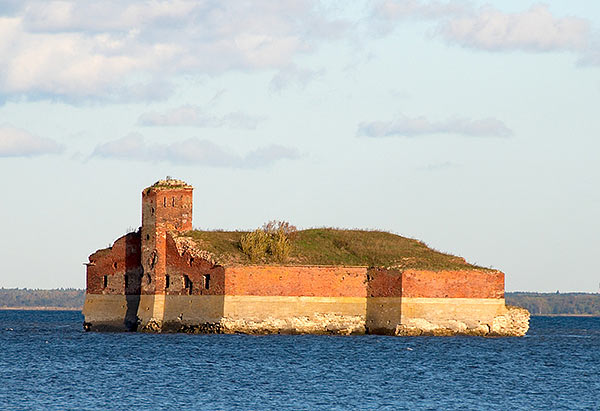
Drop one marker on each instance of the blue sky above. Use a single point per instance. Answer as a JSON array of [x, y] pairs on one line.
[[472, 126]]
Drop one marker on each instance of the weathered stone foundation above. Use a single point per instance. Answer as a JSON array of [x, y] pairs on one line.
[[308, 315]]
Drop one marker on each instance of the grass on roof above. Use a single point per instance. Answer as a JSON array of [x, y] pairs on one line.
[[327, 246]]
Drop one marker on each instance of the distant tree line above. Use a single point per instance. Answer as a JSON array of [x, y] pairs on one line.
[[536, 303], [556, 303], [23, 297]]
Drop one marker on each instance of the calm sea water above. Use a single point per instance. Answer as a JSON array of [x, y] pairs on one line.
[[48, 362]]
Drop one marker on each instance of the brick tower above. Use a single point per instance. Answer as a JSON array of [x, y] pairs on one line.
[[166, 206]]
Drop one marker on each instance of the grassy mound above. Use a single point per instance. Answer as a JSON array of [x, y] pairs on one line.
[[326, 246]]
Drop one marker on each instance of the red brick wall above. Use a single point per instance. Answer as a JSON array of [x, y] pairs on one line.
[[162, 210], [296, 281], [384, 283], [114, 263], [453, 284], [195, 269], [169, 208]]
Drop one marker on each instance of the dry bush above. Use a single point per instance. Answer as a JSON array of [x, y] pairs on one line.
[[280, 246], [255, 245], [275, 226], [271, 240]]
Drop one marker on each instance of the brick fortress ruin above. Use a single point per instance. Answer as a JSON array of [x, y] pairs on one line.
[[157, 280]]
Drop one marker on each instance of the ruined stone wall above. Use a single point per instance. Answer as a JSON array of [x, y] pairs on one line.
[[116, 270], [113, 285], [194, 290], [190, 274]]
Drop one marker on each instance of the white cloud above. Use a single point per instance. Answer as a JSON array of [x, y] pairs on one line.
[[535, 30], [293, 76], [192, 151], [263, 156], [404, 126], [131, 146], [89, 49], [57, 16], [15, 142], [195, 116], [487, 28], [397, 9]]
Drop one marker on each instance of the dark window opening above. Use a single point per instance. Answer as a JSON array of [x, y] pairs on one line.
[[115, 265], [164, 201], [147, 236], [191, 261], [167, 281], [173, 201], [105, 281], [152, 210], [187, 284], [152, 260], [126, 281], [206, 278]]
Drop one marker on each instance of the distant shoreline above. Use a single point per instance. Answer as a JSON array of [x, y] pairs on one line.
[[565, 315], [539, 304], [80, 308], [41, 308]]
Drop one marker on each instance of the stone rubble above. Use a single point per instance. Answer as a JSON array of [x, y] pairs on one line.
[[188, 245], [514, 323]]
